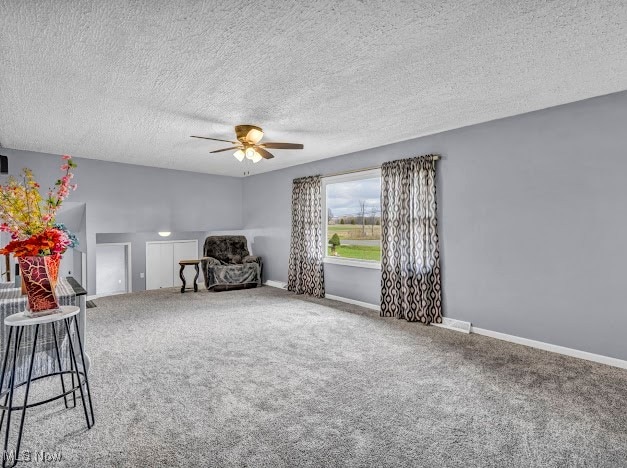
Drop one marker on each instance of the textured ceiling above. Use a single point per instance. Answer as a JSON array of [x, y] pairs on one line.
[[130, 81]]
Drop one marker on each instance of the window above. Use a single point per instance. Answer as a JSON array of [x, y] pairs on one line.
[[352, 224]]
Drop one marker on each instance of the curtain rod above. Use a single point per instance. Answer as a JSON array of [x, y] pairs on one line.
[[435, 157]]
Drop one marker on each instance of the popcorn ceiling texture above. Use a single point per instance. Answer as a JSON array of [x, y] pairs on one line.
[[130, 81]]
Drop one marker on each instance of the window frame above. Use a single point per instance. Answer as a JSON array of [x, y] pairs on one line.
[[329, 180]]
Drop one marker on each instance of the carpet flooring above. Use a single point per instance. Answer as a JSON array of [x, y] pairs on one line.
[[264, 378]]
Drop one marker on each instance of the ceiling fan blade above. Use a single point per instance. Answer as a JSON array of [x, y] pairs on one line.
[[215, 139], [226, 149], [282, 145], [264, 154]]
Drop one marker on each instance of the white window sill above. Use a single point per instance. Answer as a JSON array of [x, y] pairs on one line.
[[352, 262]]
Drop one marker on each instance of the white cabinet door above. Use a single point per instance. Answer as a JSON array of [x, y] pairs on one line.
[[184, 251]]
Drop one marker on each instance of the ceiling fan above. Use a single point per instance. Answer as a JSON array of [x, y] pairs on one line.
[[248, 145]]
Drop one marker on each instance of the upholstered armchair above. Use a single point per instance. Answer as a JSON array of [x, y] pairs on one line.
[[227, 264]]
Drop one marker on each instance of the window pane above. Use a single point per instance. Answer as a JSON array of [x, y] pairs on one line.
[[354, 219]]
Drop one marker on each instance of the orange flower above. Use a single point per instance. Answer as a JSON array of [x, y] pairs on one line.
[[48, 242]]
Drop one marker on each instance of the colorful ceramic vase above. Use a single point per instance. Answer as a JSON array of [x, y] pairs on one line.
[[38, 282]]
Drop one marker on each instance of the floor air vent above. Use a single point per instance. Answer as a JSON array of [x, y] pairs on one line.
[[452, 324]]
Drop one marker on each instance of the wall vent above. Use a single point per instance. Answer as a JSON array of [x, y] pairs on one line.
[[453, 324]]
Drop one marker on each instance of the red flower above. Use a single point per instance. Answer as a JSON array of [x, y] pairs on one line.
[[48, 242]]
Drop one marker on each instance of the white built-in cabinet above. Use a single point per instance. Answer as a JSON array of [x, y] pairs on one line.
[[162, 262]]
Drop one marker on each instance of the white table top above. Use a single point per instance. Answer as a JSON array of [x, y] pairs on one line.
[[22, 320]]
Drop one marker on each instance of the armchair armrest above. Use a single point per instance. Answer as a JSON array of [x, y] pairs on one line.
[[251, 259], [209, 261], [258, 261]]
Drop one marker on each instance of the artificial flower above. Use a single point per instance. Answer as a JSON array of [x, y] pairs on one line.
[[30, 219]]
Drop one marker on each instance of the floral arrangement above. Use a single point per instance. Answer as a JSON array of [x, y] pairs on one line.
[[30, 218]]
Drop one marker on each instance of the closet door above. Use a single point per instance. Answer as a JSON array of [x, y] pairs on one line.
[[166, 275], [153, 265], [162, 263]]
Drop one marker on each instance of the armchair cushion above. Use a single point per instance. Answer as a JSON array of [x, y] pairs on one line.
[[234, 259]]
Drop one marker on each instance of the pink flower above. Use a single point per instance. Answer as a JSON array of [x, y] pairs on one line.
[[65, 167], [66, 157], [74, 187]]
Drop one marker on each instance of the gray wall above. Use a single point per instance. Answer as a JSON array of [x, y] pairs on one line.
[[532, 223], [129, 198]]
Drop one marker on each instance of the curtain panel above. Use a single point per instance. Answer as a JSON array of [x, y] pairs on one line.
[[306, 272], [410, 252]]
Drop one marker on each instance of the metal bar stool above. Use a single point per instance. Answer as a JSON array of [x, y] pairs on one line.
[[19, 322]]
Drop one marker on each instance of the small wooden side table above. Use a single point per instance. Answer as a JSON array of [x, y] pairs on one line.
[[183, 264]]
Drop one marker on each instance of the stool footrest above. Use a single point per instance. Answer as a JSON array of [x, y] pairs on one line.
[[43, 402]]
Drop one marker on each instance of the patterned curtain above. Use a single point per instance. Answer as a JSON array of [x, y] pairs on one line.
[[410, 256], [306, 274]]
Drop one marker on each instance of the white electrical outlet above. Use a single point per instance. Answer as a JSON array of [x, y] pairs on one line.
[[141, 275]]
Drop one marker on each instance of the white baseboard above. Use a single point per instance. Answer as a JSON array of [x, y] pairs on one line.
[[459, 325], [275, 284], [97, 296], [610, 361], [367, 305]]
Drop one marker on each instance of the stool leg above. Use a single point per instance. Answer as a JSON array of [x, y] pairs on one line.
[[80, 384], [196, 277], [73, 383], [80, 346], [16, 346], [4, 370], [56, 348], [30, 375], [182, 276]]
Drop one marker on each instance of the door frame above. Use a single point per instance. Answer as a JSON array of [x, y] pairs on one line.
[[129, 267], [171, 241]]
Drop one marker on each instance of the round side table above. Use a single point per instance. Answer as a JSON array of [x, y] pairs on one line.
[[17, 323]]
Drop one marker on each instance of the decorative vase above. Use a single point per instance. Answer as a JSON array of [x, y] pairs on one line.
[[53, 262], [39, 288]]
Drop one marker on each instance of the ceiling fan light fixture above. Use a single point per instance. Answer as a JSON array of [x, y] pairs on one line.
[[256, 157], [254, 136], [239, 155], [250, 153]]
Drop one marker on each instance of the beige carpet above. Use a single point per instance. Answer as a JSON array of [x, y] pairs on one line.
[[265, 378]]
